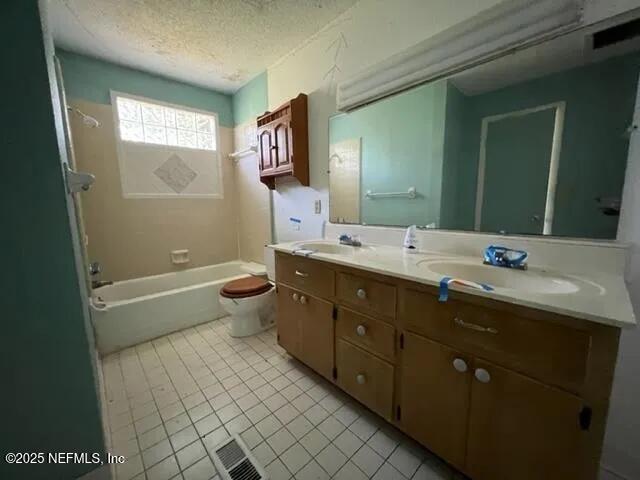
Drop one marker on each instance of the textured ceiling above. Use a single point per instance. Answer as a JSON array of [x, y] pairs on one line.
[[219, 44]]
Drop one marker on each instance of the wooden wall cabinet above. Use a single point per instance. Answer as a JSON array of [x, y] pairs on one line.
[[283, 143], [525, 397]]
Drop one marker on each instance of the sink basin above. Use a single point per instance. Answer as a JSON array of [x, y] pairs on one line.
[[532, 281], [332, 248]]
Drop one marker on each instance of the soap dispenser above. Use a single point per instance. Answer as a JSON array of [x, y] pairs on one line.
[[410, 244]]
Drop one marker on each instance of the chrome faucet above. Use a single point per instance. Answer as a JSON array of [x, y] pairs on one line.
[[95, 269], [353, 241]]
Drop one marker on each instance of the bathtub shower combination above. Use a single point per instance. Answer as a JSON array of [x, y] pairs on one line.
[[133, 311]]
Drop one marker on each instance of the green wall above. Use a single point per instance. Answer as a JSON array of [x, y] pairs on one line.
[[599, 108], [453, 139], [251, 100], [49, 401], [430, 137], [92, 79], [402, 146]]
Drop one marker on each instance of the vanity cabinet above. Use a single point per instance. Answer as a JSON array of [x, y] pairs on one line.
[[367, 294], [283, 143], [434, 396], [366, 332], [522, 429], [289, 325], [497, 390], [307, 328], [486, 420], [365, 377]]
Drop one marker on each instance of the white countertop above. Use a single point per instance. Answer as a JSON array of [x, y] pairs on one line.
[[603, 299]]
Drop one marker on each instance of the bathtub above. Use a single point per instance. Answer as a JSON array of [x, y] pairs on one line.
[[134, 311]]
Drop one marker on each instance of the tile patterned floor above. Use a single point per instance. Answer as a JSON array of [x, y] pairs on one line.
[[170, 401]]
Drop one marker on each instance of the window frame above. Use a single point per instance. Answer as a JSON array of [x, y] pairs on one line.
[[216, 156]]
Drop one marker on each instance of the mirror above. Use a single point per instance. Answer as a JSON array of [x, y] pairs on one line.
[[534, 142]]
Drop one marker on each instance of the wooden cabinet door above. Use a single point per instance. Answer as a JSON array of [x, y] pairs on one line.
[[310, 276], [316, 319], [520, 428], [435, 396], [367, 332], [288, 322], [366, 377], [282, 142], [265, 147], [305, 328]]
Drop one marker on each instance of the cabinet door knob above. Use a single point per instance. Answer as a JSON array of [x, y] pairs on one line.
[[295, 297], [303, 300], [302, 274], [460, 365], [361, 379], [361, 294], [361, 330], [482, 375]]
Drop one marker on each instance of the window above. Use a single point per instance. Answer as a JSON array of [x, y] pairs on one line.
[[166, 151], [153, 123]]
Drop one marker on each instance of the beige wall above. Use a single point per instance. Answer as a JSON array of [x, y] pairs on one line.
[[253, 205], [133, 238]]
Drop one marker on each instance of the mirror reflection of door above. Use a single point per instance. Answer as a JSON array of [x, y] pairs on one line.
[[344, 181], [517, 171]]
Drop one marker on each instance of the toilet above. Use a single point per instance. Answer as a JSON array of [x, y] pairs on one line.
[[251, 303]]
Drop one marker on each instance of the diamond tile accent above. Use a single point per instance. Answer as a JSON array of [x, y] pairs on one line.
[[175, 173]]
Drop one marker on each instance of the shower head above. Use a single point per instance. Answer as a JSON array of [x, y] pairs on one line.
[[88, 120]]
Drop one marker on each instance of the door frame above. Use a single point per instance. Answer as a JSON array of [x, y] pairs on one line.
[[556, 147]]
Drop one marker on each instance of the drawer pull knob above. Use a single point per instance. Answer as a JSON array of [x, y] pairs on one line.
[[302, 274], [361, 294], [361, 330], [460, 365], [473, 326], [361, 379], [482, 375], [303, 300], [294, 297]]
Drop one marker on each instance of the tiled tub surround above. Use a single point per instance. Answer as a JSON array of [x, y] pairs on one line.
[[170, 401]]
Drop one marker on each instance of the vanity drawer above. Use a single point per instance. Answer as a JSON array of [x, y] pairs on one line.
[[305, 274], [551, 352], [364, 376], [374, 335], [372, 296]]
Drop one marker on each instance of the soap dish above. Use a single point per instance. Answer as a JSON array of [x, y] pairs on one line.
[[179, 257]]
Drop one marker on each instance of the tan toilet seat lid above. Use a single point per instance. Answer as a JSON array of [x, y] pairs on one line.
[[245, 287]]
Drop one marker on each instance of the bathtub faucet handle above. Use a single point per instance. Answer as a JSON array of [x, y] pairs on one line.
[[95, 268]]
